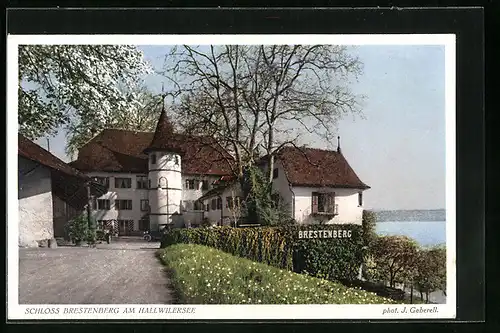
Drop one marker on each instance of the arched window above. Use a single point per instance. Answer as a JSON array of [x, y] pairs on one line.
[[163, 183]]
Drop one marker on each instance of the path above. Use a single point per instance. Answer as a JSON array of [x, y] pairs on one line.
[[123, 272]]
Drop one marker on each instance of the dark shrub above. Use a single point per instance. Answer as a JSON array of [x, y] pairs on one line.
[[78, 229], [369, 225]]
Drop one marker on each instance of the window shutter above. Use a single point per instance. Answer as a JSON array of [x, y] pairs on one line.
[[331, 203], [314, 203]]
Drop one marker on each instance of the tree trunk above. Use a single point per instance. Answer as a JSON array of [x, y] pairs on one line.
[[411, 293], [421, 295], [271, 168], [89, 212]]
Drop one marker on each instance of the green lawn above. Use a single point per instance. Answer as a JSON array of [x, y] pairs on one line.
[[203, 275]]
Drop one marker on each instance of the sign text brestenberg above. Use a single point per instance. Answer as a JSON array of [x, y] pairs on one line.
[[340, 233]]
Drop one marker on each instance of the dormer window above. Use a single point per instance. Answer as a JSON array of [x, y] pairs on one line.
[[153, 158], [176, 160]]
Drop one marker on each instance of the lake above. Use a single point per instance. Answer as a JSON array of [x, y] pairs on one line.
[[426, 233]]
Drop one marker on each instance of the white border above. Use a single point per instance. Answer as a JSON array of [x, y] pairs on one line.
[[448, 310]]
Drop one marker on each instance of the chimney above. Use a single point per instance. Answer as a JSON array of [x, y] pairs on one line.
[[338, 145]]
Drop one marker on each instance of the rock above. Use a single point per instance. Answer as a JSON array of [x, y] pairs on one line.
[[43, 243], [28, 243], [53, 243]]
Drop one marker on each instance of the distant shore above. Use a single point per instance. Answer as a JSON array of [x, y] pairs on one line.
[[414, 215]]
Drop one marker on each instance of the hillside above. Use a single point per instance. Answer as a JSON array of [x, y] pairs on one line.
[[411, 215]]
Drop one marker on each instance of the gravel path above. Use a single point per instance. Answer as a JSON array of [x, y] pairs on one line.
[[116, 273]]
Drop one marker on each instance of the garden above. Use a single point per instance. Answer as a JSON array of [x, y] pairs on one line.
[[365, 266], [205, 275]]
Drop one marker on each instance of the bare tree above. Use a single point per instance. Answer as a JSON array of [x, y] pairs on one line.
[[235, 208], [256, 99]]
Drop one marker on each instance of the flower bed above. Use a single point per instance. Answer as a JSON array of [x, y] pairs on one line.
[[204, 275]]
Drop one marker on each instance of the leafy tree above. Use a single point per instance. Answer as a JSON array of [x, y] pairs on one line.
[[255, 99], [140, 115], [263, 205], [394, 257], [430, 274], [78, 229], [60, 83], [369, 222]]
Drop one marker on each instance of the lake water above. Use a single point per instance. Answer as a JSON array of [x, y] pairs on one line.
[[426, 233]]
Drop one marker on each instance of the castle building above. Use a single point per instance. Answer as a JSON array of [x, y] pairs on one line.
[[153, 179], [170, 179]]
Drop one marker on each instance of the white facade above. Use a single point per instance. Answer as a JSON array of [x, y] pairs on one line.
[[170, 197], [226, 215], [165, 193], [349, 210], [282, 186], [134, 194], [299, 200], [181, 197], [35, 203]]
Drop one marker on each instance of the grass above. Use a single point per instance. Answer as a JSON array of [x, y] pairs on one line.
[[203, 275]]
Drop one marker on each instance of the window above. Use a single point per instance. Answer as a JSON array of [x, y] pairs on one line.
[[149, 183], [198, 206], [219, 203], [144, 205], [207, 207], [214, 204], [100, 224], [204, 185], [153, 158], [324, 203], [232, 202], [275, 173], [102, 180], [144, 224], [123, 204], [192, 184], [142, 182], [163, 183], [188, 205], [360, 199], [123, 182], [125, 227], [103, 204]]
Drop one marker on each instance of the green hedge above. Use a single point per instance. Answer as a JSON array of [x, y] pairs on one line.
[[331, 258]]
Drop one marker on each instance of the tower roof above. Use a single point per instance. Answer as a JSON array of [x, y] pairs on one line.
[[164, 138]]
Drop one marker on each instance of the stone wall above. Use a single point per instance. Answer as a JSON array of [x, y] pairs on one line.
[[35, 203]]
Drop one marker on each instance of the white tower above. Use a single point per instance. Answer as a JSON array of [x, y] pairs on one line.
[[164, 174]]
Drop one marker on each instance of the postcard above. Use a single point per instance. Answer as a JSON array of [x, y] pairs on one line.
[[231, 177]]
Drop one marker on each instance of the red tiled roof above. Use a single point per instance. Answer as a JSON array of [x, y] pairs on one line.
[[318, 168], [32, 151], [123, 151]]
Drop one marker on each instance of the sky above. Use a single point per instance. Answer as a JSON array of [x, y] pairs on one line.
[[398, 146]]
